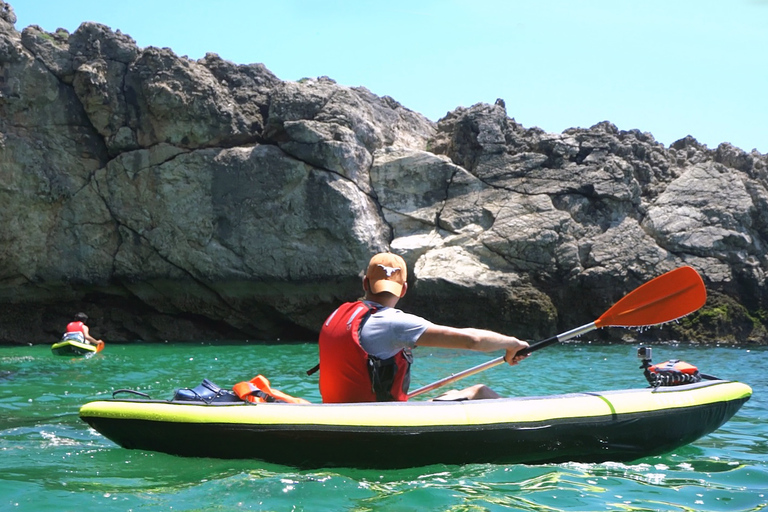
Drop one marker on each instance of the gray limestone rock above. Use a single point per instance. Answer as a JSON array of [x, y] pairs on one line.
[[182, 199]]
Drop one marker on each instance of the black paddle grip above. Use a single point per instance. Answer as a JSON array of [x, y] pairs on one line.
[[536, 346]]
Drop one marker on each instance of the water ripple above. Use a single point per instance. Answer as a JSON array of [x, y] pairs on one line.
[[49, 457]]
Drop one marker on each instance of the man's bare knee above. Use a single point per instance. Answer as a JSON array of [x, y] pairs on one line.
[[476, 392], [482, 392]]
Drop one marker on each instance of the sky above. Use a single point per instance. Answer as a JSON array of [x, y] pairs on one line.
[[671, 68]]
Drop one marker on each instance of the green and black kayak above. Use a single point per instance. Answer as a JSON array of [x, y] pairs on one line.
[[623, 425], [71, 346]]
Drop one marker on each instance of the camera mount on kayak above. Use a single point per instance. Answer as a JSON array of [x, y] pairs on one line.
[[669, 373]]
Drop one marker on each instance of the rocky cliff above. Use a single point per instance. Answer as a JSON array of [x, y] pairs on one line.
[[179, 199]]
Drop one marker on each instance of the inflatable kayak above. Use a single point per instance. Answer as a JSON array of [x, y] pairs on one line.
[[75, 346], [599, 426]]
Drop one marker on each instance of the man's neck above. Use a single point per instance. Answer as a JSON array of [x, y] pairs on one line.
[[385, 299]]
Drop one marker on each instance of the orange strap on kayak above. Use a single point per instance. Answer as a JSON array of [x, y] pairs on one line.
[[258, 390], [674, 365], [672, 373]]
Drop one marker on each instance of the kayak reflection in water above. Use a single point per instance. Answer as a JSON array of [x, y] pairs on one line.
[[365, 346]]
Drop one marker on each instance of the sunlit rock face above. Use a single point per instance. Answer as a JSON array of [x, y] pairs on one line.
[[178, 199]]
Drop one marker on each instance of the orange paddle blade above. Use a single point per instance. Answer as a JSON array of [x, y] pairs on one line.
[[663, 299]]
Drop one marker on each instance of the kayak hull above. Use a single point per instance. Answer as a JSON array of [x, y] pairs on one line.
[[617, 426], [72, 347]]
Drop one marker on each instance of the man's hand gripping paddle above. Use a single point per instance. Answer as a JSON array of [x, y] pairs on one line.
[[662, 299]]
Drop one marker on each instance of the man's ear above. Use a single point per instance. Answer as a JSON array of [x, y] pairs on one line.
[[405, 289], [366, 284]]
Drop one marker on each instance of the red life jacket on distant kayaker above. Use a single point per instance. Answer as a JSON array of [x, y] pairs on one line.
[[347, 372], [75, 327]]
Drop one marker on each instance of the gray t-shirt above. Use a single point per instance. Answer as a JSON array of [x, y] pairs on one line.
[[389, 330]]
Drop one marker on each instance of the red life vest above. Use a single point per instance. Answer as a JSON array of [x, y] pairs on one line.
[[75, 327], [347, 372]]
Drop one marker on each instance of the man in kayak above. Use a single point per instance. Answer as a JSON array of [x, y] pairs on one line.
[[77, 329], [365, 346]]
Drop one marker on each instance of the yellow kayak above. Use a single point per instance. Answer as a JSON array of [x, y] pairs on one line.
[[622, 425]]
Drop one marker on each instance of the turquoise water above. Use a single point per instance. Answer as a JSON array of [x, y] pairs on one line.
[[51, 460]]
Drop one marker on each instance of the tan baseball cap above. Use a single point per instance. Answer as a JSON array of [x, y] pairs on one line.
[[387, 273]]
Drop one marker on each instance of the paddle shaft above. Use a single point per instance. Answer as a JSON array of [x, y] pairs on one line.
[[665, 298], [573, 333]]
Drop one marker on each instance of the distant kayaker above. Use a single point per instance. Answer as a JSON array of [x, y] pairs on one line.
[[365, 346], [78, 326]]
